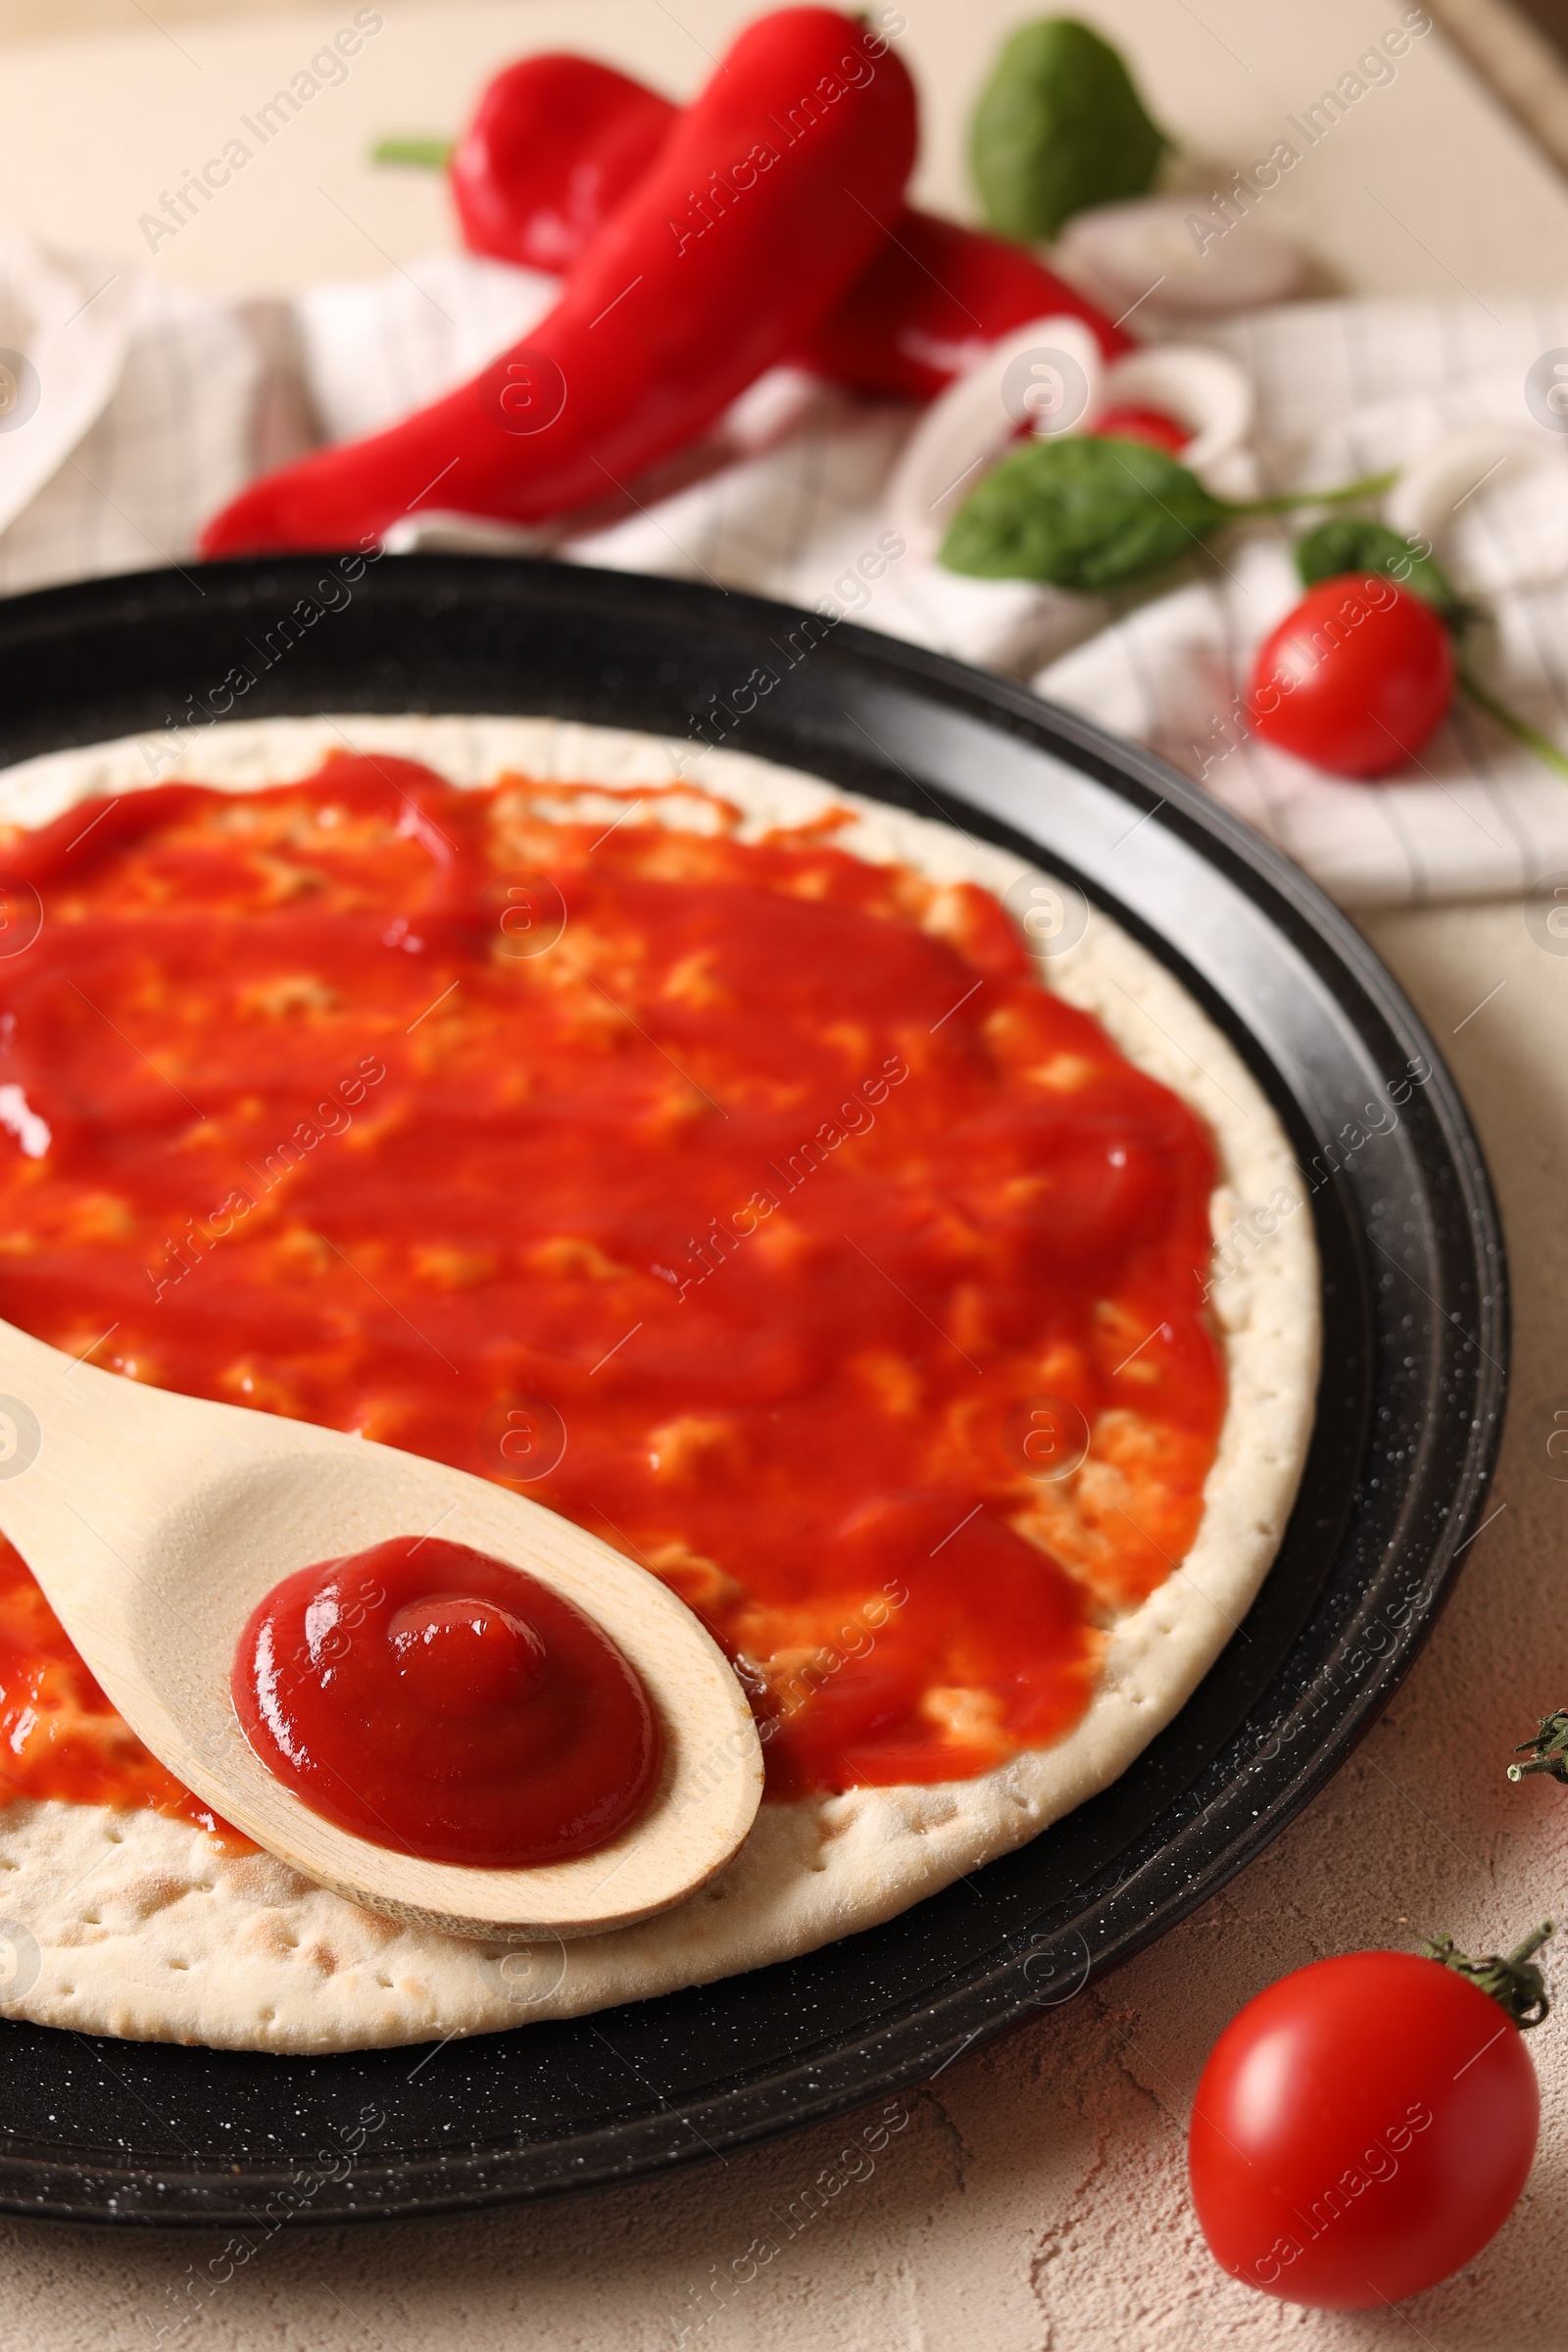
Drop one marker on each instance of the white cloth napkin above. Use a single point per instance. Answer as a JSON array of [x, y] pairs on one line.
[[138, 403], [156, 403]]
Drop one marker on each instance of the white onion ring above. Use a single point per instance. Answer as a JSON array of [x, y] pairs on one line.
[[972, 423], [1203, 390], [1436, 486], [1147, 253]]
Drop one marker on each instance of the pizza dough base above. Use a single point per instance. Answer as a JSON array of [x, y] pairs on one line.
[[131, 1924]]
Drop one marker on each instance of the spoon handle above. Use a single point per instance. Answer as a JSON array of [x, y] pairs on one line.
[[93, 1463], [55, 1431]]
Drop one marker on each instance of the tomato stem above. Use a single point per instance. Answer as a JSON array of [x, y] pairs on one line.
[[1371, 487], [1510, 721], [1548, 1750], [1511, 1978], [424, 155]]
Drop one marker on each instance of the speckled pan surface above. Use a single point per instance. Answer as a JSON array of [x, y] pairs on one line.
[[1414, 1341]]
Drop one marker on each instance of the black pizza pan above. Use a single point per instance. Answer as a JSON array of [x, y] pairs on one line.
[[1408, 1417]]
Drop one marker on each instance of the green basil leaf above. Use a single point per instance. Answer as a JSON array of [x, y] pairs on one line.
[[1354, 543], [1059, 126], [1081, 511]]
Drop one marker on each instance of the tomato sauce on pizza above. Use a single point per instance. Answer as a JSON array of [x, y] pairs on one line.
[[750, 1203]]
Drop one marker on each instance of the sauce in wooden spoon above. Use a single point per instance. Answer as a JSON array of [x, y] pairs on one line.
[[436, 1702]]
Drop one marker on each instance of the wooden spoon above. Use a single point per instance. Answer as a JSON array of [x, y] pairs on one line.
[[155, 1523]]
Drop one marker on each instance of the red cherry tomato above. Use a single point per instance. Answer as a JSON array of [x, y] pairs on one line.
[[1361, 2131], [1142, 424], [1355, 678]]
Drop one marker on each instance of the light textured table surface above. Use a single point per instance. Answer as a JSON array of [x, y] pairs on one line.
[[1036, 2200]]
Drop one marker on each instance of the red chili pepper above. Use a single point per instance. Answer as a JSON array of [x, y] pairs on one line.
[[936, 296], [766, 201], [558, 141]]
